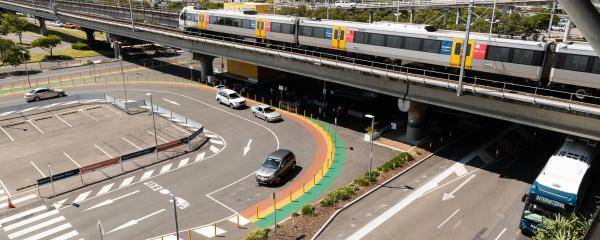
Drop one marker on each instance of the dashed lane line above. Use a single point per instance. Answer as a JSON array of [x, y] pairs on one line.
[[500, 235], [448, 219]]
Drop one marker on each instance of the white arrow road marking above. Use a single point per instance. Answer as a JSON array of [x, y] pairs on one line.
[[451, 194], [171, 101], [135, 221], [111, 201], [200, 157], [247, 147]]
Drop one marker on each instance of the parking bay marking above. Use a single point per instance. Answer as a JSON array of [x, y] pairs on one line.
[[70, 158], [11, 139], [102, 150], [38, 169], [86, 113], [151, 133], [36, 127], [136, 146], [59, 118]]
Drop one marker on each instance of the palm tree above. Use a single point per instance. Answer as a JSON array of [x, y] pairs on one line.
[[572, 227]]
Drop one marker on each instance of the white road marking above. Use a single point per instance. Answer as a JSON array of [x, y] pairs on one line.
[[66, 236], [11, 139], [31, 108], [105, 189], [36, 227], [247, 147], [6, 113], [132, 144], [210, 136], [30, 220], [5, 189], [82, 197], [38, 169], [214, 149], [218, 142], [135, 221], [200, 157], [86, 113], [109, 108], [160, 138], [462, 170], [59, 118], [102, 150], [243, 220], [171, 102], [183, 162], [165, 168], [59, 204], [451, 194], [126, 182], [180, 129], [111, 201], [22, 214], [229, 185], [500, 235], [147, 174], [19, 200], [36, 127], [70, 158], [49, 232], [209, 231], [448, 219]]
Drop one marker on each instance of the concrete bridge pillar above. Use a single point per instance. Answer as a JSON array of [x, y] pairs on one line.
[[416, 121], [206, 65], [117, 48], [89, 33], [43, 30]]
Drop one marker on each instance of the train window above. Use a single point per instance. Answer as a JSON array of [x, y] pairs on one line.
[[246, 24], [275, 27], [287, 28], [221, 20], [306, 31], [376, 39], [318, 32], [229, 22], [432, 46], [412, 44], [342, 34], [394, 41], [522, 56], [495, 53], [575, 62], [195, 17], [359, 37], [213, 20], [237, 22], [596, 66]]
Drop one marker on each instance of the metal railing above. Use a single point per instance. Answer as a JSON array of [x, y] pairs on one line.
[[403, 4]]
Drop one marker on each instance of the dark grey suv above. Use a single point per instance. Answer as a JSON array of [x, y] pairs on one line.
[[275, 166]]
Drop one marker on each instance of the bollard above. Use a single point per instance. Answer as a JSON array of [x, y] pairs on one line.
[[303, 187], [311, 116], [238, 221], [189, 234], [314, 178], [262, 99], [323, 171], [215, 227], [257, 216], [162, 237], [304, 114]]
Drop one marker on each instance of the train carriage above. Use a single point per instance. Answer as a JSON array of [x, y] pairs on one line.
[[578, 65]]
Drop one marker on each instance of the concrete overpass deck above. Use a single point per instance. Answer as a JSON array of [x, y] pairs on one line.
[[557, 111]]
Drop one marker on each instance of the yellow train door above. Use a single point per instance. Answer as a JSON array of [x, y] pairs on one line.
[[201, 20], [260, 28], [338, 38], [456, 55]]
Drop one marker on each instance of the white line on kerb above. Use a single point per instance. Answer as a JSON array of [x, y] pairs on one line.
[[136, 146], [70, 158], [448, 219], [59, 118], [7, 134], [38, 169], [36, 127], [102, 150], [500, 235]]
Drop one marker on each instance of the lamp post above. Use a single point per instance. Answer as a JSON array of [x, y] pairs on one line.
[[465, 46], [551, 17], [371, 137], [131, 13], [175, 214], [124, 87], [26, 70], [153, 122], [492, 19]]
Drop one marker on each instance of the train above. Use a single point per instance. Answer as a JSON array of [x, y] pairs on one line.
[[564, 65]]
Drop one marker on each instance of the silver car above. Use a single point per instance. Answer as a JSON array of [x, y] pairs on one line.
[[266, 112], [275, 166], [43, 93]]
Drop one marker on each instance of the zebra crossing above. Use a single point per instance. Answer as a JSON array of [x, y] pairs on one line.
[[15, 200], [38, 223]]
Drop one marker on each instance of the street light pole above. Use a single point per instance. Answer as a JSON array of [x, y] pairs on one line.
[[153, 122], [371, 151], [26, 70], [124, 87], [493, 15], [175, 213], [465, 46], [551, 17], [131, 13]]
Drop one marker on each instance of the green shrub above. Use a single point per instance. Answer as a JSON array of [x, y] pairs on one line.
[[362, 181], [308, 210], [374, 175], [327, 201], [80, 46], [258, 234], [295, 214]]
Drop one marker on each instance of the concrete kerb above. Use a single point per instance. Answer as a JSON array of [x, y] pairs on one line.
[[337, 212]]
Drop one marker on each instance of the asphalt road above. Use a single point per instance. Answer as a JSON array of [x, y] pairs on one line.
[[460, 193], [211, 185]]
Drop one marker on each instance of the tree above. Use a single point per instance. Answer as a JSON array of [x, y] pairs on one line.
[[47, 43], [13, 24], [12, 54], [572, 227]]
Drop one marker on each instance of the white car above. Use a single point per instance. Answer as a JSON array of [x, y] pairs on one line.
[[230, 98], [266, 112], [344, 4], [37, 94]]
